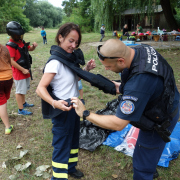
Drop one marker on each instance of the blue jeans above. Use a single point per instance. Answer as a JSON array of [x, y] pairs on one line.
[[44, 40], [102, 36], [80, 85]]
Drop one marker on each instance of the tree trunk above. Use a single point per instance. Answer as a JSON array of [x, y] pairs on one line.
[[166, 6]]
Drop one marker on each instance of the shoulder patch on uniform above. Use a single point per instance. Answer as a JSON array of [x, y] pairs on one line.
[[130, 98], [127, 107]]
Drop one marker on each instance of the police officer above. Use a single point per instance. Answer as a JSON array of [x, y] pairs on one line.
[[21, 64], [150, 101]]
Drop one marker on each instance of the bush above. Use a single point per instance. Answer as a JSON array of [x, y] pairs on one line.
[[177, 16], [24, 23]]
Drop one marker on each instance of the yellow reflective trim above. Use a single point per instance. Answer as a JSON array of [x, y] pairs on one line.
[[60, 175], [59, 165], [75, 159], [74, 151]]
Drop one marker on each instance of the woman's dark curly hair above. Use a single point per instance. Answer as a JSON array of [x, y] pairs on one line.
[[65, 29]]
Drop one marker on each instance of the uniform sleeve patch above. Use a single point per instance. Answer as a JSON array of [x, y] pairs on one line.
[[127, 107], [130, 98]]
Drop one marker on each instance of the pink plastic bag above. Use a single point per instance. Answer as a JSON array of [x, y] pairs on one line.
[[128, 145], [132, 136]]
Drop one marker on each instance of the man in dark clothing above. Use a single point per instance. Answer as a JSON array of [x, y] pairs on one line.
[[102, 32], [150, 101]]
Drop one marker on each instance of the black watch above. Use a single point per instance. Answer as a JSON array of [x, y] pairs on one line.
[[86, 113]]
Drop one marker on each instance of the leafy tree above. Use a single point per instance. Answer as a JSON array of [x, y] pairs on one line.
[[81, 14], [31, 11], [11, 10], [68, 6], [105, 10], [177, 16], [168, 7], [42, 13]]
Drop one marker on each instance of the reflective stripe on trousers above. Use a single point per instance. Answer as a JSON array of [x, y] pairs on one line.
[[66, 143]]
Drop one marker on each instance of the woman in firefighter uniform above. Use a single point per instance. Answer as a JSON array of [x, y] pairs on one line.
[[150, 101], [64, 83]]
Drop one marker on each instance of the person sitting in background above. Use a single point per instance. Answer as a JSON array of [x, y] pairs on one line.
[[125, 30], [6, 82], [115, 33], [139, 29]]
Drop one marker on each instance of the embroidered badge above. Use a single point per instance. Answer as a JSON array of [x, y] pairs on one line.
[[127, 107], [130, 98]]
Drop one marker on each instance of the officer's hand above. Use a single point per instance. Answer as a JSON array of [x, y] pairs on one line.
[[117, 84], [63, 105], [25, 71], [78, 105]]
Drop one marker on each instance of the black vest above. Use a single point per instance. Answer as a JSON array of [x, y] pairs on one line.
[[25, 60], [148, 60], [72, 60]]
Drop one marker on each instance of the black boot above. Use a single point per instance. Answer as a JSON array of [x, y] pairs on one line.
[[78, 174], [155, 175]]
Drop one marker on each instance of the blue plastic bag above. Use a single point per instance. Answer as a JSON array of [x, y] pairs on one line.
[[116, 138], [172, 148]]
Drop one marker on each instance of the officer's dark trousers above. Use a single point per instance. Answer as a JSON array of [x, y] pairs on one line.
[[147, 153], [66, 143]]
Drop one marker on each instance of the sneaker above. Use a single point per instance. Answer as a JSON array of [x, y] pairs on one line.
[[27, 105], [8, 130], [77, 175], [24, 112]]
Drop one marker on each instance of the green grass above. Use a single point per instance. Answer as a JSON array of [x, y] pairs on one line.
[[34, 133]]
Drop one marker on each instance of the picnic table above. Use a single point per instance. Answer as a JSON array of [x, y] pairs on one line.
[[141, 37]]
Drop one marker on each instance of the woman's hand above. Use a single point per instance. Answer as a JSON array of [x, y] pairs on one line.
[[61, 104], [117, 85], [90, 65]]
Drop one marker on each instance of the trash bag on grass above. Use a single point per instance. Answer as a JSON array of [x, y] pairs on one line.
[[92, 136], [110, 108]]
